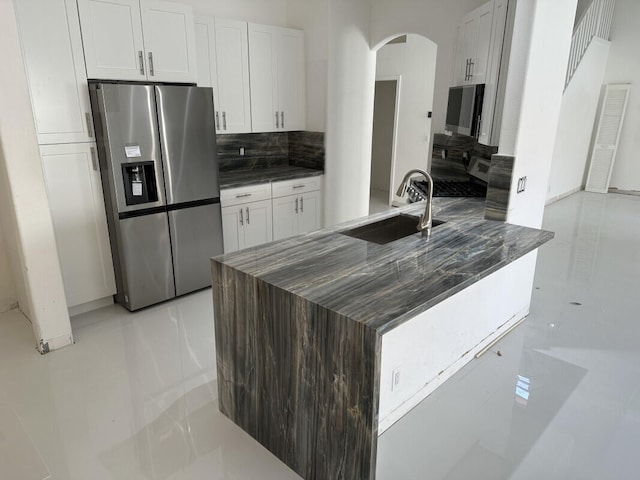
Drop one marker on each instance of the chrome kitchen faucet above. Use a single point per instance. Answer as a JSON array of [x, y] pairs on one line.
[[424, 224]]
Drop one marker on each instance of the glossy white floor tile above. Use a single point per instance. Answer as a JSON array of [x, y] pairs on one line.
[[135, 397]]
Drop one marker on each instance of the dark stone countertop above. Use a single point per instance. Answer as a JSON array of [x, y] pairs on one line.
[[383, 286], [242, 178]]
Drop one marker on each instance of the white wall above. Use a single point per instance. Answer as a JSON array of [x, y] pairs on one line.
[[25, 208], [415, 63], [7, 287], [350, 94], [434, 19], [624, 67], [270, 12], [577, 116], [312, 16], [533, 99]]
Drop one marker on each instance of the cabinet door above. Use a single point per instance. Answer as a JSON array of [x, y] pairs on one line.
[[232, 53], [291, 79], [112, 39], [480, 58], [469, 38], [232, 230], [207, 62], [77, 209], [265, 112], [54, 62], [169, 41], [309, 213], [285, 216], [257, 223]]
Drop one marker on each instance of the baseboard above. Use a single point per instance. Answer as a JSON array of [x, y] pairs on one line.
[[90, 306], [624, 192], [562, 195], [55, 343]]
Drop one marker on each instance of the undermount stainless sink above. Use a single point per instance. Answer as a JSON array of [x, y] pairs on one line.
[[387, 230]]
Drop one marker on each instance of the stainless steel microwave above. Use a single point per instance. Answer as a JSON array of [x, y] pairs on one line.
[[464, 109]]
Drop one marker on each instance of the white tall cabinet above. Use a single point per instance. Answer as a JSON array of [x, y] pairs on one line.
[[74, 188], [138, 40], [223, 64], [54, 63], [52, 50], [276, 63]]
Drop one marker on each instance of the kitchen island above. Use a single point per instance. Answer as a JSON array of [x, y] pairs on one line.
[[324, 340]]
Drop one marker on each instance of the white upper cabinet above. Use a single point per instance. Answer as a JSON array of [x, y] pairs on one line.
[[169, 41], [138, 40], [223, 64], [277, 66], [112, 39], [52, 51], [474, 40]]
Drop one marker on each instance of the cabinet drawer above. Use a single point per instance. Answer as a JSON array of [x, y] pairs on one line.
[[252, 193], [293, 187]]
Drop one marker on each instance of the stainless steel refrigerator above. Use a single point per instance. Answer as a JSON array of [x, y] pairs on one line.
[[157, 151]]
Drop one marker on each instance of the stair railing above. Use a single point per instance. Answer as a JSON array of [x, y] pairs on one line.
[[595, 22]]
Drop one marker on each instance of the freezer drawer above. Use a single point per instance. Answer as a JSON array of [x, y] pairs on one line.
[[196, 236], [145, 260]]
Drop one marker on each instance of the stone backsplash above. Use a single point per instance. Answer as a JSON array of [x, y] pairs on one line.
[[456, 145], [261, 150]]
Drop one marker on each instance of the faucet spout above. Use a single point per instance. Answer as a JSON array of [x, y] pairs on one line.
[[425, 222]]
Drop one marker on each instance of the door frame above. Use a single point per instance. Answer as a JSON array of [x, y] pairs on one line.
[[394, 141]]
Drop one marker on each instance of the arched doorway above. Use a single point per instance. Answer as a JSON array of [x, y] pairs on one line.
[[404, 91]]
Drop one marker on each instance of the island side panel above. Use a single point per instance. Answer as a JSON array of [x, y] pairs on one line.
[[310, 392], [235, 330]]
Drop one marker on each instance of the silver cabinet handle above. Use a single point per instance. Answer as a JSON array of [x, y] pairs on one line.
[[282, 119], [87, 117], [277, 121], [296, 205], [248, 222], [301, 204], [224, 120], [466, 71], [94, 163], [217, 120], [243, 195], [241, 217], [141, 60], [471, 64], [151, 70], [302, 185]]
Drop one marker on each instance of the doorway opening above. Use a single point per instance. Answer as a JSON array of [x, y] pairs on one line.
[[403, 102]]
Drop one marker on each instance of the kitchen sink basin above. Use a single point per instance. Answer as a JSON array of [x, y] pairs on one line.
[[387, 230]]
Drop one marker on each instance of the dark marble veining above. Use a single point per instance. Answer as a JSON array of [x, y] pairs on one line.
[[299, 327], [306, 149], [456, 145], [382, 286], [272, 149], [261, 150], [499, 187], [241, 178]]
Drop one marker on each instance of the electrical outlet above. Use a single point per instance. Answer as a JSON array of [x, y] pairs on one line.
[[242, 151], [395, 379], [522, 184]]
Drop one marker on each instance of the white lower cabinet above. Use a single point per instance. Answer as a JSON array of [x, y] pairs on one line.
[[246, 225], [296, 207], [74, 189]]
